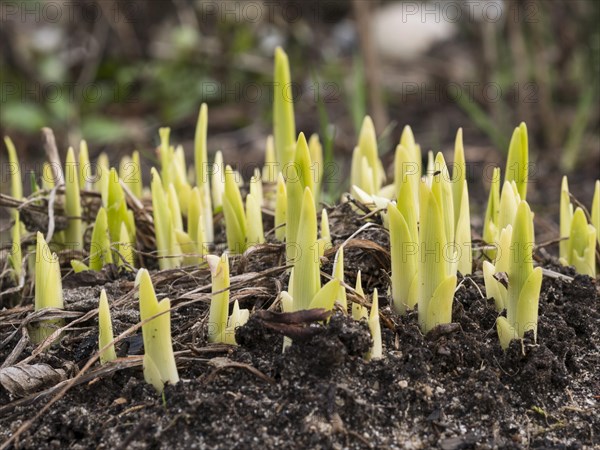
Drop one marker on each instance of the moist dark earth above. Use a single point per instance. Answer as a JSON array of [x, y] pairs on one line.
[[452, 389]]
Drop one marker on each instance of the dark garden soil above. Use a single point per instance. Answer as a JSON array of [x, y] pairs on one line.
[[452, 389]]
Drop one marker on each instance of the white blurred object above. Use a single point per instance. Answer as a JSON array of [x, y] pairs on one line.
[[406, 30]]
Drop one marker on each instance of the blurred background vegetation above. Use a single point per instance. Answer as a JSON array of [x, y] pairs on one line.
[[113, 72]]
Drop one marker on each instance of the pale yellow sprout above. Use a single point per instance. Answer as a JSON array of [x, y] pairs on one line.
[[407, 140], [219, 304], [16, 188], [494, 287], [359, 311], [406, 171], [218, 182], [326, 297], [287, 306], [317, 168], [166, 240], [307, 279], [74, 231], [159, 360], [270, 171], [280, 209], [256, 187], [238, 318], [125, 249], [462, 238], [582, 245], [188, 248], [596, 210], [566, 216], [254, 232], [517, 163], [235, 218], [459, 174], [15, 258], [403, 250], [48, 290], [203, 180], [509, 201], [437, 280], [84, 168], [491, 229], [324, 241], [174, 207], [524, 282], [338, 273], [166, 155], [284, 124], [441, 188], [105, 331], [376, 351], [362, 175], [298, 178], [100, 251]]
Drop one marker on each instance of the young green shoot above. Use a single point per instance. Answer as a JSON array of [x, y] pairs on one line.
[[298, 179], [84, 168], [490, 223], [307, 278], [280, 209], [219, 304], [195, 224], [317, 169], [407, 140], [437, 281], [284, 123], [236, 226], [159, 360], [441, 188], [582, 245], [524, 282], [125, 249], [406, 171], [16, 187], [494, 287], [403, 249], [326, 297], [509, 202], [462, 238], [203, 180], [166, 155], [116, 209], [255, 232], [48, 290], [595, 214], [566, 217], [256, 187], [459, 174], [166, 240], [15, 258], [367, 170], [100, 251], [105, 331], [517, 163], [217, 182], [269, 171], [101, 184]]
